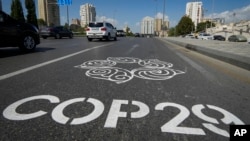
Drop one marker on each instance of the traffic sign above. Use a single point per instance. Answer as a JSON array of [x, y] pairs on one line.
[[64, 2]]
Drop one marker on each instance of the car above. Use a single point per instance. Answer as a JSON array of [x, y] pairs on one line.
[[14, 33], [137, 35], [190, 36], [121, 33], [219, 37], [57, 32], [237, 38], [205, 36], [101, 30]]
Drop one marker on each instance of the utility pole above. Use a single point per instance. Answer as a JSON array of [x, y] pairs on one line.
[[163, 26]]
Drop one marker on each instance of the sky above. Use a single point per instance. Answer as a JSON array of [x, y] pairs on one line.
[[131, 12]]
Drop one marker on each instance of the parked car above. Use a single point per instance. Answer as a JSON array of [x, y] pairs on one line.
[[219, 37], [17, 34], [205, 36], [101, 30], [57, 32], [190, 36], [237, 38]]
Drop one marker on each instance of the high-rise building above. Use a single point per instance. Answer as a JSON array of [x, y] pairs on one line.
[[0, 4], [87, 14], [195, 12], [159, 26], [49, 11], [75, 22], [147, 25]]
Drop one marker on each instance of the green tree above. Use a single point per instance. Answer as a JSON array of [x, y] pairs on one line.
[[41, 23], [31, 10], [17, 10], [172, 32], [185, 26], [201, 27]]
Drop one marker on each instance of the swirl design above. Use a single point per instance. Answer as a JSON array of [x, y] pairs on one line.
[[155, 74], [155, 63], [97, 64], [116, 75], [151, 69], [124, 59]]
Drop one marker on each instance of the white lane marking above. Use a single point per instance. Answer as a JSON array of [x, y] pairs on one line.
[[202, 70], [2, 77], [132, 49]]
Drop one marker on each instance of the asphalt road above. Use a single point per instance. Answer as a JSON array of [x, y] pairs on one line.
[[133, 89]]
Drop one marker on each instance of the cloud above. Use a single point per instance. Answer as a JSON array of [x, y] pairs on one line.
[[104, 18], [233, 16], [159, 15]]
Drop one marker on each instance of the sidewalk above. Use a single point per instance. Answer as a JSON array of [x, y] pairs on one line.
[[236, 53]]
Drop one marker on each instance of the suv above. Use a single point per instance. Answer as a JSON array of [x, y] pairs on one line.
[[57, 32], [17, 34], [101, 30]]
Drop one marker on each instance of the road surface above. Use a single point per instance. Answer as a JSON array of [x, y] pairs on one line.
[[132, 89]]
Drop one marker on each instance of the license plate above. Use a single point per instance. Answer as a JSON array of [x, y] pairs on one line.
[[95, 29]]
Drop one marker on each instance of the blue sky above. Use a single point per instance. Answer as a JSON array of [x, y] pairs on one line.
[[131, 12]]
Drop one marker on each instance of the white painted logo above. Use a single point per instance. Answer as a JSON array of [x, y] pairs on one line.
[[175, 125], [150, 69]]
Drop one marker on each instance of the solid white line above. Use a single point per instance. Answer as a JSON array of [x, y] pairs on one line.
[[47, 63]]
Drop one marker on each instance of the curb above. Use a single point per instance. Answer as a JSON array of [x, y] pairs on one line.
[[234, 59]]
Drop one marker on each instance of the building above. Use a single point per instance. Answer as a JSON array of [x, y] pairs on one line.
[[147, 25], [76, 22], [194, 10], [0, 4], [49, 11], [87, 14], [159, 26]]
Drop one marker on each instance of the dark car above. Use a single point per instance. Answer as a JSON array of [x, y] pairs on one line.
[[137, 35], [57, 32], [237, 38], [17, 34], [219, 37]]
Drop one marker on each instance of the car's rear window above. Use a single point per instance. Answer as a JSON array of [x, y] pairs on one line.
[[95, 24]]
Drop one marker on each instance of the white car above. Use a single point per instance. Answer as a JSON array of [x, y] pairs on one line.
[[101, 30], [205, 36]]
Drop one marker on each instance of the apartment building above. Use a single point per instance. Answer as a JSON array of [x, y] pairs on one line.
[[195, 12], [49, 11], [87, 14], [159, 26], [147, 25]]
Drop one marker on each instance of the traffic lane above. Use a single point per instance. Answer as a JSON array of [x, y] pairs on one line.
[[65, 81], [12, 59]]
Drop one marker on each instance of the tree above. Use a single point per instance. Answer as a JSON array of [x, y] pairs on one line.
[[17, 10], [172, 32], [31, 10], [201, 27], [41, 23], [185, 26]]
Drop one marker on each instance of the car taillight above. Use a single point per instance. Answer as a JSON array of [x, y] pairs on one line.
[[103, 29], [87, 29]]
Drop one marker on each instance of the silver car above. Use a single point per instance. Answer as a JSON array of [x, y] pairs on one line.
[[101, 30]]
